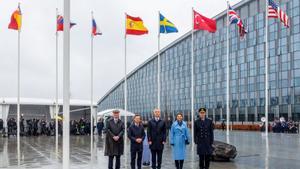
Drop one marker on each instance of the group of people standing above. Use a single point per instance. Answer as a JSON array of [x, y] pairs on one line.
[[156, 137], [81, 127], [30, 127], [281, 126], [42, 127]]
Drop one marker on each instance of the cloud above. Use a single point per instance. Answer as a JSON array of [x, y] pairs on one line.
[[38, 42]]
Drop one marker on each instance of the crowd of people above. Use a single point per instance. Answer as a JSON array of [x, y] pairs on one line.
[[280, 125], [81, 127], [31, 127], [42, 127]]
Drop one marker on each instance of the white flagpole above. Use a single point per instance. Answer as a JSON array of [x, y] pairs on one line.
[[158, 63], [56, 88], [227, 75], [266, 70], [18, 99], [125, 92], [92, 88], [66, 87], [192, 79]]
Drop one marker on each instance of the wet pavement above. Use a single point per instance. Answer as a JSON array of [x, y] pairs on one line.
[[279, 151]]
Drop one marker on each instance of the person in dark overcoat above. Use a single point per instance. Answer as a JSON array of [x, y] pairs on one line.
[[114, 141], [136, 135], [156, 133], [100, 126], [204, 138]]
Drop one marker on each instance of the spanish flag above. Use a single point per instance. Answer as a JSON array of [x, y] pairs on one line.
[[135, 26], [16, 20]]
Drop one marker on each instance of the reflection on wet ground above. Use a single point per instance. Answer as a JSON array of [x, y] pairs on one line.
[[255, 151]]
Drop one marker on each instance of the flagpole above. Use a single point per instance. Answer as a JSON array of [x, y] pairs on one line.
[[66, 87], [92, 88], [227, 74], [158, 63], [56, 88], [18, 98], [192, 79], [266, 71], [125, 92]]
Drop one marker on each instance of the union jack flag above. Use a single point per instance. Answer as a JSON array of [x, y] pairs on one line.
[[234, 18], [275, 12]]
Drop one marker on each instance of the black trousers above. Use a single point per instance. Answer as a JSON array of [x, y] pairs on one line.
[[156, 157], [100, 132], [204, 161], [137, 161], [179, 164], [111, 162]]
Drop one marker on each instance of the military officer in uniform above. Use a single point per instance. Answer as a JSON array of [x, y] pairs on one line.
[[204, 138]]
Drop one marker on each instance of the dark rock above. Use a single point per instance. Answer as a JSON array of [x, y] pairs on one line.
[[223, 151]]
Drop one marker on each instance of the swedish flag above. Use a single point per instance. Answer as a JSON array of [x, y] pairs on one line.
[[166, 26]]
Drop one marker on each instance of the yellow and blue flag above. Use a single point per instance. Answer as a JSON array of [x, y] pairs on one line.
[[166, 26]]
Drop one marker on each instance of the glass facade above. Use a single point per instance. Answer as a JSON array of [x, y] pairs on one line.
[[247, 71]]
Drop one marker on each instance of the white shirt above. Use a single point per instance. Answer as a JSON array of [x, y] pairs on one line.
[[116, 120]]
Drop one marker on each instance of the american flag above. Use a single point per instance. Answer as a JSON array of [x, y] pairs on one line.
[[234, 18], [275, 12]]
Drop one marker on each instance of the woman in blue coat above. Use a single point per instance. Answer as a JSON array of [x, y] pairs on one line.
[[179, 138]]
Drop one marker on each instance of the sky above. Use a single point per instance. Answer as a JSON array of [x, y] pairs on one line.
[[38, 42]]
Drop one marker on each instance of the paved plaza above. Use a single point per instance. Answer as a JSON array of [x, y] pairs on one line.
[[279, 151]]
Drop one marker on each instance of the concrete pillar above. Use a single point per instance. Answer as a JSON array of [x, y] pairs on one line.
[[246, 114], [237, 114], [207, 112], [4, 110], [255, 113], [214, 114], [52, 111], [221, 114], [95, 116], [276, 114], [289, 111], [277, 111]]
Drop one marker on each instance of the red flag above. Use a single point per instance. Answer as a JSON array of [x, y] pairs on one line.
[[16, 20], [60, 23], [203, 23]]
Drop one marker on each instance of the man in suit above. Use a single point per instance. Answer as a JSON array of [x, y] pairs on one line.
[[204, 138], [114, 142], [136, 134], [157, 138]]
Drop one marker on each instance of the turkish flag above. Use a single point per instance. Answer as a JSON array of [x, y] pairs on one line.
[[203, 23]]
